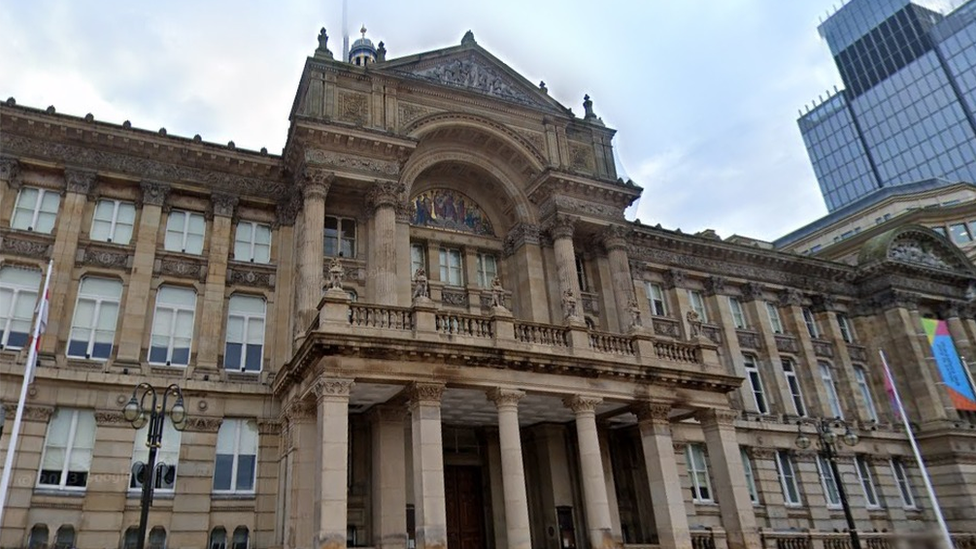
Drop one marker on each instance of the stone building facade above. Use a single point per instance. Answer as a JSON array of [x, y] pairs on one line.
[[427, 323]]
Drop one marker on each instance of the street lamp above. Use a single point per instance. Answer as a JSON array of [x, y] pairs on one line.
[[136, 413], [827, 437]]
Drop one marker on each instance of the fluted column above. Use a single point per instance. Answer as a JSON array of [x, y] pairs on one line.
[[430, 507], [595, 500], [389, 481], [615, 241], [211, 317], [561, 230], [333, 426], [381, 284], [315, 186], [730, 478], [513, 472], [667, 497]]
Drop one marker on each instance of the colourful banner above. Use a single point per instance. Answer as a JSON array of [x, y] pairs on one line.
[[950, 367]]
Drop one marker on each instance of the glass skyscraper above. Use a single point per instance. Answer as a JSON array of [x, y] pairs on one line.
[[906, 110]]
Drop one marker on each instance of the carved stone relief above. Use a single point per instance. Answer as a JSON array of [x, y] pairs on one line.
[[104, 258], [910, 249], [354, 163], [250, 277], [25, 247], [408, 112], [180, 267], [473, 75], [353, 107], [581, 157]]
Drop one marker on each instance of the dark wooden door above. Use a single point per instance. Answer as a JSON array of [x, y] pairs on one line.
[[465, 508]]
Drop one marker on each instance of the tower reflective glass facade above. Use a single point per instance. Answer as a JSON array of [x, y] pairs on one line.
[[906, 110]]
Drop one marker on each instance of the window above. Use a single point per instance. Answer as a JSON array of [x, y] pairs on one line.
[[697, 303], [655, 296], [18, 298], [184, 232], [774, 320], [172, 326], [846, 329], [240, 538], [867, 482], [245, 333], [862, 384], [237, 449], [95, 318], [131, 539], [418, 258], [65, 538], [487, 269], [904, 486], [793, 382], [959, 233], [38, 537], [787, 477], [755, 382], [829, 482], [701, 490], [340, 236], [113, 221], [581, 274], [738, 315], [811, 322], [168, 455], [252, 242], [157, 538], [940, 230], [35, 210], [750, 475], [451, 272], [218, 538], [68, 449], [833, 401]]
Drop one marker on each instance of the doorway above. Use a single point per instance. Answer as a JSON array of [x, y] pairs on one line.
[[465, 507]]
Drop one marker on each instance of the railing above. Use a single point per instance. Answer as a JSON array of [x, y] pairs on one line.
[[702, 540], [541, 334], [610, 343], [378, 316], [462, 324], [676, 352]]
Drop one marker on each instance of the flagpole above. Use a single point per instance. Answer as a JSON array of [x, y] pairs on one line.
[[946, 537], [28, 376]]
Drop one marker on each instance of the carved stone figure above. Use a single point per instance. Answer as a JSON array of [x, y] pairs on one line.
[[570, 309], [420, 287], [323, 48], [497, 293], [336, 274], [635, 313], [694, 323]]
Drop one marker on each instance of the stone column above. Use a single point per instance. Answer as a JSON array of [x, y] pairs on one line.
[[430, 507], [526, 274], [561, 229], [513, 473], [595, 500], [603, 431], [212, 312], [404, 273], [381, 283], [333, 427], [615, 241], [315, 186], [667, 497], [730, 479], [133, 323], [389, 481]]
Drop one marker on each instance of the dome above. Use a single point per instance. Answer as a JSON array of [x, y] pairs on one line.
[[362, 50], [363, 43]]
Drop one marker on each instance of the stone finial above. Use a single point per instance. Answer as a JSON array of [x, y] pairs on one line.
[[380, 52], [468, 38], [588, 108], [323, 49], [336, 274]]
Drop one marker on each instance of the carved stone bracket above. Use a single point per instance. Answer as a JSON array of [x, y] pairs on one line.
[[505, 397], [520, 235], [654, 412], [714, 285], [203, 424], [223, 205], [582, 404], [425, 393], [10, 172], [328, 387], [154, 193], [673, 278], [752, 291], [79, 181]]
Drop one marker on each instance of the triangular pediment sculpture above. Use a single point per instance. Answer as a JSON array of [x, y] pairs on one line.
[[473, 74]]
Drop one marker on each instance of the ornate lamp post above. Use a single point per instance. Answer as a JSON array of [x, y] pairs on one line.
[[827, 438], [137, 413]]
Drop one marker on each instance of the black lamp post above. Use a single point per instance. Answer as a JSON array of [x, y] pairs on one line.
[[136, 413], [827, 440]]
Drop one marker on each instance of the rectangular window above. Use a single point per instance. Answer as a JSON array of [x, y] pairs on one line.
[[68, 449], [755, 382], [787, 477], [867, 482], [697, 302], [487, 269], [738, 315], [245, 333], [774, 320], [167, 454], [237, 450], [95, 318], [252, 242], [828, 481], [862, 384], [846, 328], [811, 323], [184, 232], [340, 236], [418, 258], [172, 326], [904, 486], [701, 490], [793, 382], [113, 221], [960, 233], [35, 210], [18, 299], [750, 475], [655, 296], [581, 274], [833, 400], [451, 271]]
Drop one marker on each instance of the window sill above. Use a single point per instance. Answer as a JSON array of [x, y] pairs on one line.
[[59, 492], [158, 494], [232, 497]]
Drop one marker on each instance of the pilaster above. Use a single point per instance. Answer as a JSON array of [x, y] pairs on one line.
[[211, 316]]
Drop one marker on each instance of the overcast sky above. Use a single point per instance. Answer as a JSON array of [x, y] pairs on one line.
[[704, 93]]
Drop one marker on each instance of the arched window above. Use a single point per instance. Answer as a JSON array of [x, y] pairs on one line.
[[218, 538], [240, 538], [65, 538], [131, 538], [38, 537], [157, 538]]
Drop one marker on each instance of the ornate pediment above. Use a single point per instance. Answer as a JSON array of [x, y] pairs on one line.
[[917, 246]]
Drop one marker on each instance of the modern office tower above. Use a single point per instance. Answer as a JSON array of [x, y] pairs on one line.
[[906, 111]]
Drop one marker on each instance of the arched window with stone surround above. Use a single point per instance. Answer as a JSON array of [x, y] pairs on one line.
[[218, 538], [241, 537], [157, 538], [65, 539], [38, 537]]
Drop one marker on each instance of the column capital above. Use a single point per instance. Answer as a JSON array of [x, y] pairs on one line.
[[561, 226], [425, 393], [505, 397], [582, 404], [790, 296], [315, 182], [752, 291], [614, 237], [384, 194], [223, 205], [298, 409], [154, 193], [653, 412], [286, 211], [718, 416], [715, 285], [79, 181], [403, 211], [952, 309], [203, 424], [823, 303], [330, 387], [520, 235], [674, 278], [10, 171]]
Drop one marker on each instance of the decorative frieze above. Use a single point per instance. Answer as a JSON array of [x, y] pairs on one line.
[[353, 163], [104, 418], [25, 247], [180, 267], [787, 344], [823, 348], [38, 413], [712, 333], [106, 258], [250, 277], [408, 112]]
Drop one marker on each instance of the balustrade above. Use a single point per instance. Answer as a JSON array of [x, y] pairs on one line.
[[610, 343], [377, 316], [541, 334], [463, 324], [677, 352]]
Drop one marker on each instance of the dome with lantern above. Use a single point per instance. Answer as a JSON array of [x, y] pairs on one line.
[[362, 50]]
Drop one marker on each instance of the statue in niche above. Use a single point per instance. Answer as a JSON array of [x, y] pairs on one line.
[[336, 274], [569, 304], [635, 313], [694, 323], [420, 287], [497, 293]]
